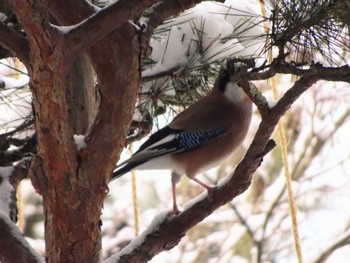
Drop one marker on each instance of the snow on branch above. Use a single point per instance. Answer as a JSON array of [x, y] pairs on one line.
[[10, 176], [28, 144], [14, 247], [107, 19], [203, 35], [6, 190], [156, 15]]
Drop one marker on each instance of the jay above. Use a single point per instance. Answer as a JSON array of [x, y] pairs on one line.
[[199, 138]]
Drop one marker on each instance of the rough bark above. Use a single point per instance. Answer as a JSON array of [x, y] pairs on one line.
[[13, 43], [73, 183]]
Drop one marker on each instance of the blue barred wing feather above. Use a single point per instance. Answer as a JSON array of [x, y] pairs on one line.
[[167, 141]]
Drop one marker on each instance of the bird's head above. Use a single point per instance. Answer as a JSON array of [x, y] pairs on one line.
[[229, 88]]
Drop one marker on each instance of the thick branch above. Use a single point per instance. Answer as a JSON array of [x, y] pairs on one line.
[[41, 36], [326, 73], [103, 22], [5, 53], [14, 247], [113, 16], [15, 42], [70, 12], [280, 66]]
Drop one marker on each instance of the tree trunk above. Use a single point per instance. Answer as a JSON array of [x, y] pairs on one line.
[[82, 98], [66, 192], [73, 182]]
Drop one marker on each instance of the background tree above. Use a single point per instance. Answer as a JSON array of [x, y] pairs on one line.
[[85, 80]]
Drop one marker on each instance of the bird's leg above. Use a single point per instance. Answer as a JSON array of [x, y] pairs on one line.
[[175, 178], [210, 189]]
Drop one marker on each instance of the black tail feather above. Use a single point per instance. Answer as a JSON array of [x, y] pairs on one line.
[[119, 171]]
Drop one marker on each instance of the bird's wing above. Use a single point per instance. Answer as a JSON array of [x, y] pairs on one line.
[[168, 141]]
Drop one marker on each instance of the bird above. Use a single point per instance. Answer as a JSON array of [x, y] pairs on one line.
[[199, 138]]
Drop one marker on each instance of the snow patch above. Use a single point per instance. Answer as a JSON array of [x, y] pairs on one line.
[[271, 103], [208, 32], [6, 189], [79, 140], [11, 83], [188, 205], [154, 225]]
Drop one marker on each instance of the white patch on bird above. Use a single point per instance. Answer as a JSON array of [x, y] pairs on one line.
[[234, 93], [166, 139], [164, 162], [149, 153]]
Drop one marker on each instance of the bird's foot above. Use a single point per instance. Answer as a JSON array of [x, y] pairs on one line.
[[209, 188], [175, 211]]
